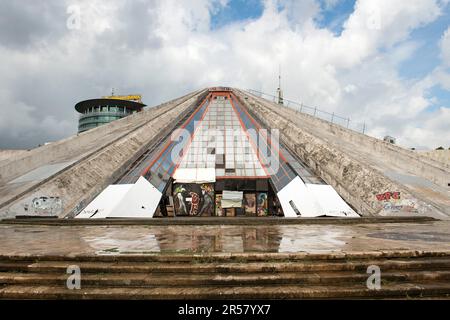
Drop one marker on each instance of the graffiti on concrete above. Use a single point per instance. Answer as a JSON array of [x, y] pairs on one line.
[[392, 202], [79, 207], [44, 206], [402, 206], [388, 195]]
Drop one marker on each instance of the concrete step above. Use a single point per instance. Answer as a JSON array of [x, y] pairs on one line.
[[235, 279], [21, 266], [233, 257], [227, 276], [232, 267], [417, 290]]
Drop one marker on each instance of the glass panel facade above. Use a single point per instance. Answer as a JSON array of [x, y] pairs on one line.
[[220, 142], [163, 166], [279, 170], [223, 138], [98, 115]]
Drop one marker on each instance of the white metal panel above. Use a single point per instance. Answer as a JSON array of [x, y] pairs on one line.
[[206, 175], [313, 200], [232, 195], [140, 201], [330, 201], [297, 194], [195, 175], [185, 175], [105, 202]]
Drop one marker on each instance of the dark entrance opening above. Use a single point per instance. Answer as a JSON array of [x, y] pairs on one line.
[[257, 199]]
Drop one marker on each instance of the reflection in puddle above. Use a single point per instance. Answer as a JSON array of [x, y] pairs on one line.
[[107, 240], [423, 236], [198, 239], [111, 244], [312, 242]]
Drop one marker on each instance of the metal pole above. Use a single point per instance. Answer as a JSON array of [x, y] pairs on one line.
[[348, 122], [332, 117], [301, 107], [315, 111], [364, 128]]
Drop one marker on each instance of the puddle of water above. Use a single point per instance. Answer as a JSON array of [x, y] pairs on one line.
[[423, 236]]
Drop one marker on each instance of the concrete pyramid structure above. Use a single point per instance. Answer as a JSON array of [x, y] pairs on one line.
[[132, 167]]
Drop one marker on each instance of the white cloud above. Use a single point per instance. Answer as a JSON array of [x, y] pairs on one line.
[[165, 48], [330, 4], [445, 48]]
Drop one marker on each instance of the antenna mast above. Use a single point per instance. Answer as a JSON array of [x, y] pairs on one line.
[[279, 76], [279, 91]]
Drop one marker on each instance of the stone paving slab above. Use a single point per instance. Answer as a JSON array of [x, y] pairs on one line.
[[23, 240]]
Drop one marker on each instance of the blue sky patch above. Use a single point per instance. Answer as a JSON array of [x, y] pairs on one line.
[[422, 61], [426, 57], [441, 96], [236, 10], [335, 17]]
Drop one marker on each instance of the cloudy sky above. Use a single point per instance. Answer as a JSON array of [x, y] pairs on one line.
[[382, 62]]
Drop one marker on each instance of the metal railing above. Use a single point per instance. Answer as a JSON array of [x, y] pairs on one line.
[[345, 122]]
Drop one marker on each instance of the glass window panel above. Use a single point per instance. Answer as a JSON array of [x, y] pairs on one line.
[[229, 165], [260, 172], [166, 164], [249, 172], [183, 164]]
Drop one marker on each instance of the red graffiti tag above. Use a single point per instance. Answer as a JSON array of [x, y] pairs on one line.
[[388, 196], [195, 203]]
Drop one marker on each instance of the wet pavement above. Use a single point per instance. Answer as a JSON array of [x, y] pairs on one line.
[[107, 240]]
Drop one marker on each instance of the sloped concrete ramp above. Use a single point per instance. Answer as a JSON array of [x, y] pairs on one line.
[[376, 178], [99, 157]]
